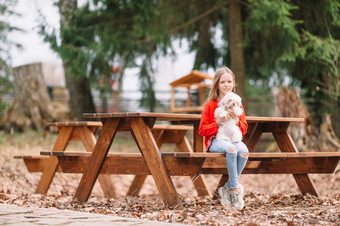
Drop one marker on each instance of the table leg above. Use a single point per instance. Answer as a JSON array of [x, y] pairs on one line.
[[136, 185], [199, 181], [286, 144], [198, 139], [138, 181], [153, 158], [50, 168], [254, 138], [89, 141], [99, 153]]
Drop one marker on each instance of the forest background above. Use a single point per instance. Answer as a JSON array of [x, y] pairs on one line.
[[265, 43]]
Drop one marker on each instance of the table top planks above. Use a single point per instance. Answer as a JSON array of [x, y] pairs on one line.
[[179, 117], [74, 124]]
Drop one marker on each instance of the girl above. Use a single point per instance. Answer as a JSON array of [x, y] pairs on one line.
[[236, 153]]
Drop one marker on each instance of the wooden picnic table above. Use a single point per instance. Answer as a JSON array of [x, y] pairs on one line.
[[140, 124], [84, 131], [193, 162]]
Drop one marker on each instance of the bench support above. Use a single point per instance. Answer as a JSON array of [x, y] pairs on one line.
[[66, 134], [178, 137], [50, 168], [97, 158], [152, 156], [286, 144]]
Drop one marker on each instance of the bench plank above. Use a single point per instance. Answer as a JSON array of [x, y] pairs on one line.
[[257, 155], [35, 164], [179, 164]]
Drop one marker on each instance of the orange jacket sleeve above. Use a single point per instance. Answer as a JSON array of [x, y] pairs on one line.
[[208, 125], [242, 122]]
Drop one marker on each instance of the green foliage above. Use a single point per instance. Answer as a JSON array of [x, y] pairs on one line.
[[148, 99], [6, 85], [111, 33], [294, 39], [318, 63], [320, 71], [271, 36]]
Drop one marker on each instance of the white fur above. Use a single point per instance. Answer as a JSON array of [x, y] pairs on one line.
[[229, 130]]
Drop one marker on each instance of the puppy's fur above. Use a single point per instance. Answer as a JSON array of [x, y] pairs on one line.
[[229, 130]]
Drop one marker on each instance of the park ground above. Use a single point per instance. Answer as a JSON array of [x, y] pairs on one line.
[[269, 199]]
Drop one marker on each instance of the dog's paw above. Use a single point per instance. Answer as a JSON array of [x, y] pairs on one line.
[[238, 111]]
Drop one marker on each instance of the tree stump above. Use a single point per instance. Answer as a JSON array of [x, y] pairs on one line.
[[306, 136], [32, 106]]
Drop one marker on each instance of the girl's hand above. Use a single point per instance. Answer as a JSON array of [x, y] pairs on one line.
[[220, 120], [232, 114]]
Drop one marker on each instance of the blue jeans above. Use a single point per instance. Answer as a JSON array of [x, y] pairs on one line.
[[235, 162]]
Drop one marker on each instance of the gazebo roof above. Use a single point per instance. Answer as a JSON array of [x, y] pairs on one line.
[[193, 78]]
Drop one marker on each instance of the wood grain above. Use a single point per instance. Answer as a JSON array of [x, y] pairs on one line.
[[52, 163], [154, 161], [110, 127]]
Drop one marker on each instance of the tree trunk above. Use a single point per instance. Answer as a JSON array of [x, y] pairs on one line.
[[81, 100], [305, 135], [236, 48], [32, 106]]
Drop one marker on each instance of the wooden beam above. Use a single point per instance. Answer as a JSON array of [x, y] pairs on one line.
[[153, 159], [96, 160], [50, 168]]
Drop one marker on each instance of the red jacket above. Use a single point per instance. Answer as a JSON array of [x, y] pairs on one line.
[[208, 127]]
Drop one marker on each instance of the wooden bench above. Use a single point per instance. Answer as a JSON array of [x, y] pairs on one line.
[[195, 164], [68, 131], [162, 165], [84, 132]]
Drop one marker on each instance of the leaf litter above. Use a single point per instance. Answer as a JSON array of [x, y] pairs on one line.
[[269, 199]]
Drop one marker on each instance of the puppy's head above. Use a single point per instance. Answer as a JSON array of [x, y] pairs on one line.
[[230, 100]]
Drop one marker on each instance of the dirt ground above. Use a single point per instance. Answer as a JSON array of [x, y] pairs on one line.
[[269, 199]]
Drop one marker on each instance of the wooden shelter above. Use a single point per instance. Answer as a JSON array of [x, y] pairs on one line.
[[193, 81]]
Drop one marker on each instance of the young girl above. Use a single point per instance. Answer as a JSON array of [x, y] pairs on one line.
[[236, 153]]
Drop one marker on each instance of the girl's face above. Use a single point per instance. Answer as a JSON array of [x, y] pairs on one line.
[[226, 84]]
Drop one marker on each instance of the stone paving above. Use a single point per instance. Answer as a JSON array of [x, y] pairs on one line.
[[17, 215]]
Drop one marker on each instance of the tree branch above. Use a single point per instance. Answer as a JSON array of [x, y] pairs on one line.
[[193, 20]]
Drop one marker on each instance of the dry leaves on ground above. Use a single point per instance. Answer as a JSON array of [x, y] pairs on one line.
[[269, 199]]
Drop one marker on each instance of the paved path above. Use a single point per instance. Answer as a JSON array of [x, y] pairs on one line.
[[16, 215]]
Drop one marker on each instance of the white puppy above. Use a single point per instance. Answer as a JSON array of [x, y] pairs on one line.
[[229, 130]]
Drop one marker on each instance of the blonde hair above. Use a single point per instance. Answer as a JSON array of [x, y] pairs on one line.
[[214, 92]]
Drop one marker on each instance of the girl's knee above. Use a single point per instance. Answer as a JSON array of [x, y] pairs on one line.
[[232, 150], [244, 154]]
